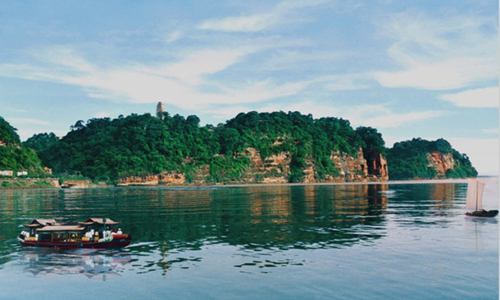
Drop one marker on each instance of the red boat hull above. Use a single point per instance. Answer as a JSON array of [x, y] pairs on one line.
[[118, 241]]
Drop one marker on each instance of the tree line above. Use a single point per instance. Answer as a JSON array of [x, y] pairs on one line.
[[13, 157], [105, 149]]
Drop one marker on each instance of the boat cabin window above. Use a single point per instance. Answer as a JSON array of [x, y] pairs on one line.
[[66, 236], [59, 236], [75, 236], [45, 237]]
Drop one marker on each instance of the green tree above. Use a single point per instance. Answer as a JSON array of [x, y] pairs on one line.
[[13, 156], [8, 133], [408, 160], [43, 143]]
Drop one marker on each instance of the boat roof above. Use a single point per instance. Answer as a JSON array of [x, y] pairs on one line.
[[100, 221], [61, 228], [41, 222]]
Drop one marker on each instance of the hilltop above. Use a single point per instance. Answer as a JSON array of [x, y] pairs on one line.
[[252, 147], [14, 157]]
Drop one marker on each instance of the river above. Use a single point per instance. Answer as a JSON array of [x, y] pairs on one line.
[[385, 241]]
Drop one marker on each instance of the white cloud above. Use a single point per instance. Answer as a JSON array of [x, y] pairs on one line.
[[252, 23], [381, 116], [259, 21], [440, 53], [200, 63], [25, 71], [65, 56], [177, 83], [445, 75], [347, 82], [303, 60], [173, 36], [485, 97]]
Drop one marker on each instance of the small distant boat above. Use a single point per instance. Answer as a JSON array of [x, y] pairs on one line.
[[474, 202], [93, 233]]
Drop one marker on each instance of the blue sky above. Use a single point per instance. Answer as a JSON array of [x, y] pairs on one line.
[[410, 69]]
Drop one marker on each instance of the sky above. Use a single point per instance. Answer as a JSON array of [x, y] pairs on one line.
[[420, 68]]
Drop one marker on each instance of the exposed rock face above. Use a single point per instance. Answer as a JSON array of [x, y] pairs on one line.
[[138, 180], [76, 184], [273, 169], [441, 162], [378, 167], [351, 169], [201, 175], [163, 178], [276, 169], [171, 178]]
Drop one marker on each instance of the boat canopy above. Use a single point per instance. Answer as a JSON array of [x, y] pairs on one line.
[[61, 228], [100, 221], [41, 223]]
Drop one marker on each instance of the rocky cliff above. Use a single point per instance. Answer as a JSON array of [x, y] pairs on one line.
[[275, 169], [77, 184], [441, 162]]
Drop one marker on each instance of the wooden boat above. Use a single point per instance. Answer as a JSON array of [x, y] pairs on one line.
[[93, 233], [474, 201], [482, 213]]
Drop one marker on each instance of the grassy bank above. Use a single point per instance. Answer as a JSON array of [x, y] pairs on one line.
[[27, 184]]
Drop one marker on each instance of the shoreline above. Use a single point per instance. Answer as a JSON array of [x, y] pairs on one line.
[[411, 181], [389, 182]]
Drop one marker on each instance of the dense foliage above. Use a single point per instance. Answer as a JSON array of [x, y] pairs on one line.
[[13, 157], [300, 135], [373, 145], [42, 144], [8, 133], [408, 160], [106, 149]]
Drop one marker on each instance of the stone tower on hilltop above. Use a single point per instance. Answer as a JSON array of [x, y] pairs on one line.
[[159, 110]]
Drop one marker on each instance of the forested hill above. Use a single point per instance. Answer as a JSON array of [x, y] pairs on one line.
[[252, 147], [14, 157], [419, 158], [8, 134], [108, 149]]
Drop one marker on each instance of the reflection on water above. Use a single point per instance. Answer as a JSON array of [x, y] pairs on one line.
[[88, 263], [258, 217], [252, 230]]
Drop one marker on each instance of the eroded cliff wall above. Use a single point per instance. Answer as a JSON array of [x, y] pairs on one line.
[[441, 162], [275, 169]]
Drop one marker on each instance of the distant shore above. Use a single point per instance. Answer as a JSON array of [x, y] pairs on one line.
[[411, 181], [393, 182]]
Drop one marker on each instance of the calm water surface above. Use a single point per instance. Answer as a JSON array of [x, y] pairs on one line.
[[408, 241]]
